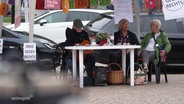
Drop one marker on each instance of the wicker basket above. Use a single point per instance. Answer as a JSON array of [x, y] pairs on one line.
[[115, 76]]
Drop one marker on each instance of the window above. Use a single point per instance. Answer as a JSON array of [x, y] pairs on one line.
[[77, 14], [100, 22], [6, 34], [54, 17], [92, 15]]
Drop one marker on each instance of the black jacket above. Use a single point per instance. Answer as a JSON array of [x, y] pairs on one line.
[[73, 37], [132, 38]]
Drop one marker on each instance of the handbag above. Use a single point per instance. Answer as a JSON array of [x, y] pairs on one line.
[[100, 76], [160, 47], [139, 75]]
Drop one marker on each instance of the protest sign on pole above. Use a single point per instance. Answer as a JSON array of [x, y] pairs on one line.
[[29, 51], [123, 9], [173, 9]]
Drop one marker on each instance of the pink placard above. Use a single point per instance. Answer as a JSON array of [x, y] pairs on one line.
[[52, 4]]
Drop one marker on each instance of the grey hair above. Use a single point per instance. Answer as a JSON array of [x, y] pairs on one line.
[[121, 23], [156, 21]]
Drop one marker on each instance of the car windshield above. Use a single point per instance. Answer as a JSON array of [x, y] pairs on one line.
[[41, 14], [37, 37], [100, 21]]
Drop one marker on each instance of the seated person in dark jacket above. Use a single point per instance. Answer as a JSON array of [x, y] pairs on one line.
[[76, 36], [123, 36]]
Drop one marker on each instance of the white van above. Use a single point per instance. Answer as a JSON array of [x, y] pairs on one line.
[[53, 23]]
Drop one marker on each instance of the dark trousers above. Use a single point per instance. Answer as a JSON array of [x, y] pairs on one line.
[[89, 63]]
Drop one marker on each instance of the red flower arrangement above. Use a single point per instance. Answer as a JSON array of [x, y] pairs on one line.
[[102, 38]]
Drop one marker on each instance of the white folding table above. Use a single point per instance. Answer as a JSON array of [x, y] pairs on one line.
[[108, 47]]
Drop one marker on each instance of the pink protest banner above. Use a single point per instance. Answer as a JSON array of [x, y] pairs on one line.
[[52, 4]]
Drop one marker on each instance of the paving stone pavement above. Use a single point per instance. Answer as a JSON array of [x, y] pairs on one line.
[[151, 93]]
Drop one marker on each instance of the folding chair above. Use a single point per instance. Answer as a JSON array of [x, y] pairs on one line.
[[157, 68], [58, 57]]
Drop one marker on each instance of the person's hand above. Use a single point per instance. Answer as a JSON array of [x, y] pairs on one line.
[[77, 44], [162, 52], [139, 53], [119, 44], [87, 44]]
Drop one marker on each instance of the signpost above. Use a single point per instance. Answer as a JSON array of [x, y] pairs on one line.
[[29, 51]]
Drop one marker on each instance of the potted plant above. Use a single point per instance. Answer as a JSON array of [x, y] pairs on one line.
[[101, 38]]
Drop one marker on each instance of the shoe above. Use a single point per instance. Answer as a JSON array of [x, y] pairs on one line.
[[146, 70], [145, 81]]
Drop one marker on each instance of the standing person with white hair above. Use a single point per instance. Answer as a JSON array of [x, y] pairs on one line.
[[154, 45]]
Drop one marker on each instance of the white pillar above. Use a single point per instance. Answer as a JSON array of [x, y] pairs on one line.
[[1, 24], [137, 16], [26, 10], [32, 4]]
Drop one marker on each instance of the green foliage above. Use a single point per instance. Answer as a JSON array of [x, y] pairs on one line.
[[7, 19], [71, 2], [101, 36], [99, 2]]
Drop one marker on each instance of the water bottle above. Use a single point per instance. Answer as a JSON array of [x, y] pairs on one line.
[[108, 41]]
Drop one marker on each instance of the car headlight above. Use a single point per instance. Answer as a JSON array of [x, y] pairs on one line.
[[49, 45]]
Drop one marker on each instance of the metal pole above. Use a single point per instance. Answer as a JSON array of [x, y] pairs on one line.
[[137, 16], [26, 10], [1, 24], [12, 13]]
